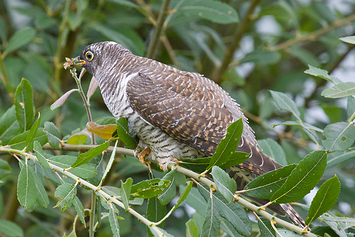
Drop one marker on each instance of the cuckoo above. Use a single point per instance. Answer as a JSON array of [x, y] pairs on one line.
[[175, 114]]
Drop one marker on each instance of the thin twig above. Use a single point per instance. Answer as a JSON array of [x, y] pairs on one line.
[[313, 36], [242, 27]]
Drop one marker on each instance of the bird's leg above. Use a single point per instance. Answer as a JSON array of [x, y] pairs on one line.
[[143, 154], [164, 165]]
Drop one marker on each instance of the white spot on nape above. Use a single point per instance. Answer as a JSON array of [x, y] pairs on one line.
[[111, 42]]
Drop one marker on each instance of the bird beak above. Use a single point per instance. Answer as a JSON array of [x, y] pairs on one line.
[[78, 62], [73, 62]]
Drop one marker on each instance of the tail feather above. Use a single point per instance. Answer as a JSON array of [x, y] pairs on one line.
[[258, 164]]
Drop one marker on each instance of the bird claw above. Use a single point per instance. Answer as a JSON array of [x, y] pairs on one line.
[[164, 166], [143, 154]]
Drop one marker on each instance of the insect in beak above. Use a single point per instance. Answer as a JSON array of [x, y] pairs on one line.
[[73, 62]]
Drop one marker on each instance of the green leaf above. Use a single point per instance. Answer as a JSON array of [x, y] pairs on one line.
[[197, 165], [339, 136], [183, 195], [19, 39], [225, 185], [212, 220], [115, 228], [348, 39], [125, 3], [337, 157], [85, 171], [53, 134], [124, 135], [33, 131], [338, 224], [169, 193], [340, 90], [265, 227], [285, 103], [228, 145], [10, 229], [126, 192], [264, 186], [191, 229], [26, 188], [24, 105], [5, 170], [9, 127], [19, 141], [67, 193], [302, 179], [314, 71], [155, 211], [89, 155], [195, 200], [324, 200], [237, 158], [79, 209], [274, 150], [262, 57], [42, 196], [305, 56], [149, 188], [77, 139], [234, 213]]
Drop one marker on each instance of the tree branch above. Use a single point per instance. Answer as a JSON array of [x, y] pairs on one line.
[[158, 29], [313, 36], [242, 27]]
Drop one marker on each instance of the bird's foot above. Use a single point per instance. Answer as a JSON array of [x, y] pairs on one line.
[[143, 154], [164, 165]]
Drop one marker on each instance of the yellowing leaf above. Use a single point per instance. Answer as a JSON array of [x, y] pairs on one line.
[[103, 131]]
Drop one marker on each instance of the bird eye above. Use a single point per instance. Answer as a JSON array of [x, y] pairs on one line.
[[89, 55]]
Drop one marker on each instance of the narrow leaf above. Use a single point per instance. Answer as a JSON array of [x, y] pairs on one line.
[[115, 228], [79, 208], [324, 200], [228, 145], [9, 127], [89, 155], [264, 186], [24, 105], [340, 90], [26, 188], [338, 157], [42, 196], [302, 179], [285, 103], [67, 193], [155, 211], [149, 188], [19, 39], [19, 141], [33, 131], [212, 220], [53, 134], [339, 136], [191, 229], [314, 71], [85, 171], [126, 192], [103, 131], [225, 185], [10, 229], [338, 224], [234, 213], [169, 193], [274, 150], [348, 39], [124, 135], [59, 102], [265, 227]]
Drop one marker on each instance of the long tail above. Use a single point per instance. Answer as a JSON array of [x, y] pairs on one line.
[[258, 164]]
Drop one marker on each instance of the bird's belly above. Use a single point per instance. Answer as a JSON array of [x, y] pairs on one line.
[[163, 147]]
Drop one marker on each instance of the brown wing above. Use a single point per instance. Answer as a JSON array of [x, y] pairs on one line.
[[186, 106]]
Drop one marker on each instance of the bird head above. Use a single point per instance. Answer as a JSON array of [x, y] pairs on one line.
[[96, 55]]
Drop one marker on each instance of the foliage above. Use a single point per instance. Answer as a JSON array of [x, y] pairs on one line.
[[279, 73]]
